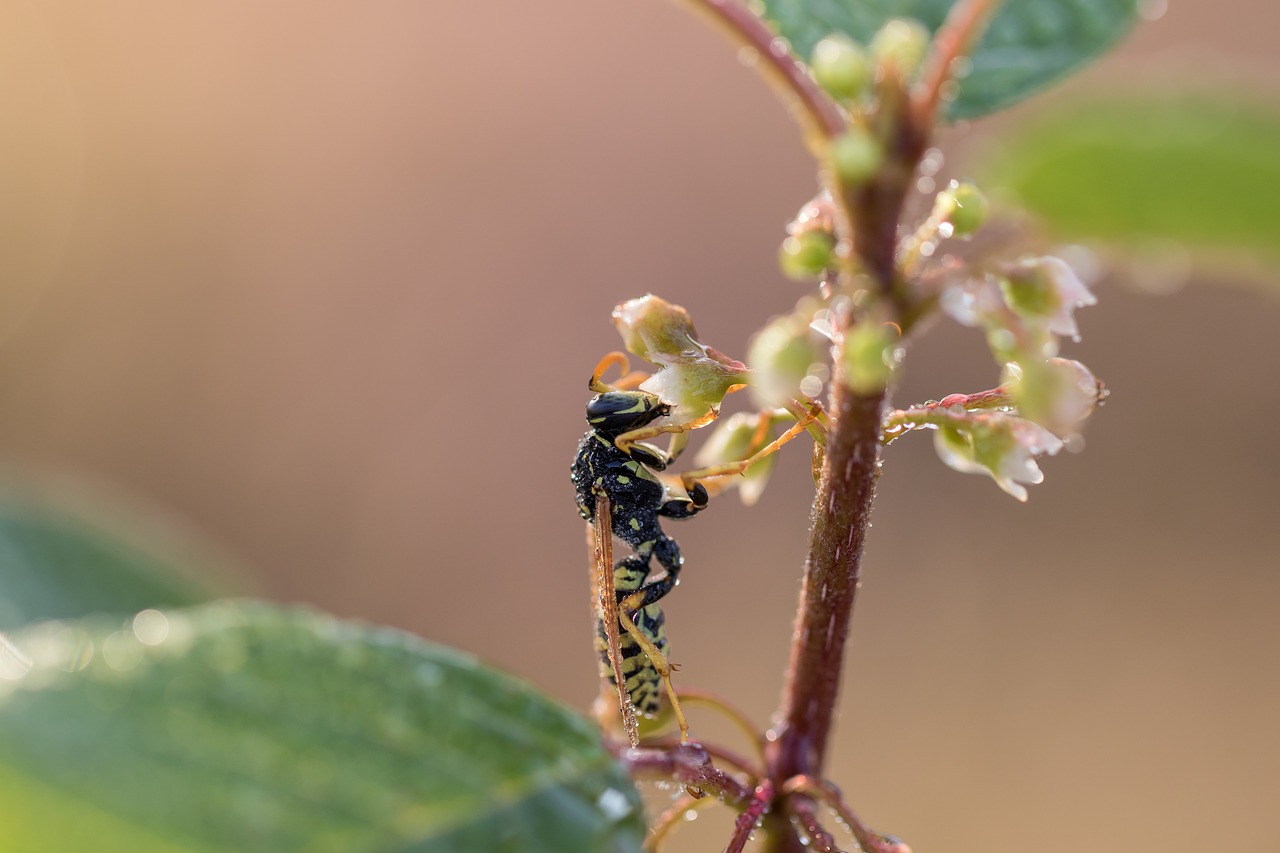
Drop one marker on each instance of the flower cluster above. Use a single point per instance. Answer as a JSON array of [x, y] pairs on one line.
[[1024, 308]]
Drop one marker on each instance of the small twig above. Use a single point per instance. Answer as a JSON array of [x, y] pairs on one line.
[[721, 754], [671, 818], [964, 24], [868, 839], [820, 115], [819, 839], [690, 765], [750, 817], [739, 719], [952, 409]]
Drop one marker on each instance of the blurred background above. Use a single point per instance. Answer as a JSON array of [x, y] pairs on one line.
[[320, 285]]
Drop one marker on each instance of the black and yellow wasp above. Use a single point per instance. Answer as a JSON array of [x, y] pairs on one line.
[[619, 493]]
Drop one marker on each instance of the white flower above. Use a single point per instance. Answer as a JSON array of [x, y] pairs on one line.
[[1047, 289], [1001, 446], [1059, 393]]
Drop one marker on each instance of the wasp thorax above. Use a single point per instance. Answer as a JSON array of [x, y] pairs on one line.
[[620, 411]]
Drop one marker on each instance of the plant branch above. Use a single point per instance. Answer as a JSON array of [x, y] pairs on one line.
[[690, 765], [964, 24], [750, 817], [817, 113]]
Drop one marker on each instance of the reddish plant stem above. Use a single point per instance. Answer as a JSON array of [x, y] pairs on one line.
[[830, 585], [780, 67]]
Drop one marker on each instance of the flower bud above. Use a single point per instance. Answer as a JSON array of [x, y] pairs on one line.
[[964, 207], [1058, 393], [806, 255], [840, 66], [855, 156], [901, 43], [866, 357], [735, 438], [783, 354]]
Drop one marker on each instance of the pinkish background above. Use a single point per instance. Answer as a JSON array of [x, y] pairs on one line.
[[322, 281]]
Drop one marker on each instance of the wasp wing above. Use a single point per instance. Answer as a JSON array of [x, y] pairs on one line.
[[606, 607]]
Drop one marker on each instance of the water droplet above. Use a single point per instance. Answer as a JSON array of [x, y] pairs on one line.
[[614, 804], [748, 56], [13, 663], [961, 67], [926, 184], [151, 627], [932, 161], [691, 815], [121, 651]]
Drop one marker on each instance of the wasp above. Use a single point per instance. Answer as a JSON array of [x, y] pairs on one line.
[[620, 495]]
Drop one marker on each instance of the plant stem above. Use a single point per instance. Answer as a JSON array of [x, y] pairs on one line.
[[818, 114]]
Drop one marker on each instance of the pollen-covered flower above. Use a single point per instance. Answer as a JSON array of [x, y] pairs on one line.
[[1001, 446], [691, 376]]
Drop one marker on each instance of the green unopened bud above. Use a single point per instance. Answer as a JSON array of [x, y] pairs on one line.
[[736, 438], [855, 156], [805, 256], [1029, 292], [1058, 393], [840, 66], [965, 208], [901, 43], [867, 358], [783, 355]]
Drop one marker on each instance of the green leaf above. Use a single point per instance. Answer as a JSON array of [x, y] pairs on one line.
[[1028, 45], [250, 728], [1202, 172], [59, 561]]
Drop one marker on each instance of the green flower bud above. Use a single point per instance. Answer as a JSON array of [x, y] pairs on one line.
[[855, 156], [735, 438], [783, 354], [901, 43], [840, 66], [965, 208], [865, 356], [805, 256]]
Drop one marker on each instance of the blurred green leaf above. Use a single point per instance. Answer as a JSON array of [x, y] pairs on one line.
[[1028, 45], [249, 728], [1203, 172], [58, 561]]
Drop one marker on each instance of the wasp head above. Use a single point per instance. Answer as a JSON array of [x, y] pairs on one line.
[[615, 412]]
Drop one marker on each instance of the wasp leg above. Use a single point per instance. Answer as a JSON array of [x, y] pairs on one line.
[[670, 558], [627, 439], [686, 508], [690, 478], [662, 665]]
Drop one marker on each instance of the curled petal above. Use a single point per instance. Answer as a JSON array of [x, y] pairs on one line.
[[1001, 446]]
